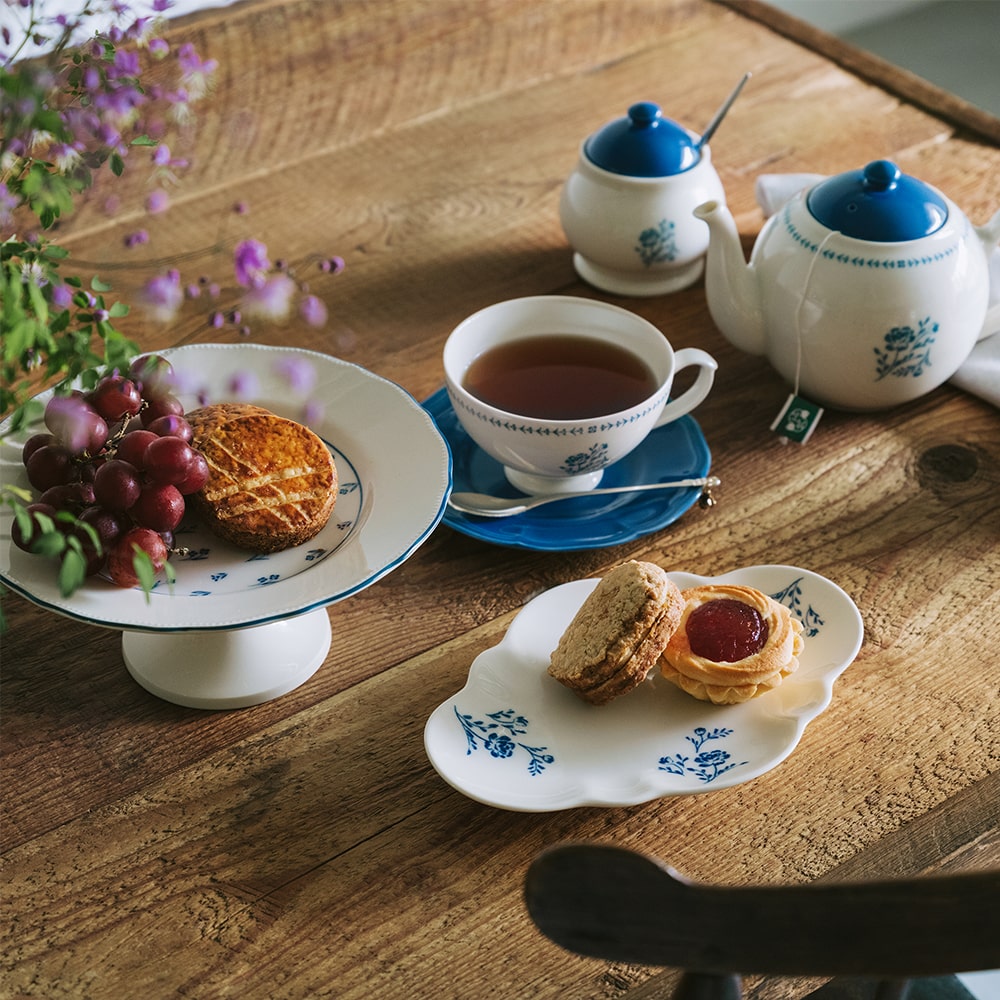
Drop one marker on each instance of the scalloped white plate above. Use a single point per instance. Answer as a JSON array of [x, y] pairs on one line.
[[237, 628], [394, 471], [515, 738]]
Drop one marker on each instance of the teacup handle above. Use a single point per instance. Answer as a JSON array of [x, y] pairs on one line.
[[698, 390]]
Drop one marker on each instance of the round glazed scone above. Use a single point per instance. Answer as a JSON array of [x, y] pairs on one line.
[[272, 482], [742, 645], [616, 637]]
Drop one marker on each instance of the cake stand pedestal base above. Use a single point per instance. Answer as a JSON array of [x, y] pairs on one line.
[[229, 669]]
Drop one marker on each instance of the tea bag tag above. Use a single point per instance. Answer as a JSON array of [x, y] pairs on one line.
[[797, 420]]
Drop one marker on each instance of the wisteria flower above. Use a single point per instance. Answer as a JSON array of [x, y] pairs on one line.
[[251, 263], [271, 300], [197, 72], [298, 373], [313, 310], [163, 296], [244, 385]]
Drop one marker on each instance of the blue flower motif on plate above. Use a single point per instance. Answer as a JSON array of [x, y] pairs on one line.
[[705, 765], [500, 745], [791, 597]]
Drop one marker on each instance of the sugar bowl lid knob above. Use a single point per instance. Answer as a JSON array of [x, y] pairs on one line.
[[642, 144], [878, 203]]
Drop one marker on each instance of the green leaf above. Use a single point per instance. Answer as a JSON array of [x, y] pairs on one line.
[[72, 571], [99, 286]]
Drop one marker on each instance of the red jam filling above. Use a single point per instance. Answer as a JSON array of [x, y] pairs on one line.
[[726, 630]]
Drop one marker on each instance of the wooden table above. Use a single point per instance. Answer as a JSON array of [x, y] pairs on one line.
[[305, 847]]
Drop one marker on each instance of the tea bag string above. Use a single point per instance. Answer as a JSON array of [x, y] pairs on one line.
[[802, 302]]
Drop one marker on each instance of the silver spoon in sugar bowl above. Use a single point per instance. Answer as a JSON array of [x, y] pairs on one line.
[[484, 505]]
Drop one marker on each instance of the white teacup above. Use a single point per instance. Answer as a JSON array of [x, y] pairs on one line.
[[567, 455]]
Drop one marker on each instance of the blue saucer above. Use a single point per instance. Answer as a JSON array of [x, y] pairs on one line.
[[677, 450]]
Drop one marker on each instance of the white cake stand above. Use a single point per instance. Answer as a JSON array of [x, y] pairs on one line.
[[237, 629]]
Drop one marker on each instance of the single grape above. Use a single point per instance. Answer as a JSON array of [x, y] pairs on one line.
[[50, 465], [154, 375], [160, 506], [117, 485], [168, 460], [25, 541], [76, 424], [161, 406], [107, 525], [132, 447], [171, 425], [196, 477], [121, 558], [116, 397], [35, 442], [69, 496]]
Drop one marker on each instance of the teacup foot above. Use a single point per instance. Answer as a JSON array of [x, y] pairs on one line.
[[638, 283], [531, 484]]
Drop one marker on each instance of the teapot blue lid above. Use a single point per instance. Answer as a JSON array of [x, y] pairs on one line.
[[643, 144], [878, 203]]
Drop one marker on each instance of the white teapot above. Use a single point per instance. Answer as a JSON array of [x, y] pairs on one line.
[[627, 208], [866, 290]]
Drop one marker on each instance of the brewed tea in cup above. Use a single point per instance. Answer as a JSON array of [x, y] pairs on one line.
[[556, 388]]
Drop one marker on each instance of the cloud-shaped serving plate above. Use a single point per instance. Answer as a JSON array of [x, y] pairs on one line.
[[516, 739]]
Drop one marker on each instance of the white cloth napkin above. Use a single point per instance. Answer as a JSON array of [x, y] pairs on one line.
[[980, 372]]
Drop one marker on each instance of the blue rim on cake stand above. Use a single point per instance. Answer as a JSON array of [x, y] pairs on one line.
[[677, 450]]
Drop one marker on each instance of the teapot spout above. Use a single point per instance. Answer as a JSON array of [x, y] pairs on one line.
[[731, 288]]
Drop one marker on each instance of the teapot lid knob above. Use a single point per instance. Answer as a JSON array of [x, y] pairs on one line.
[[879, 204], [642, 144], [881, 175]]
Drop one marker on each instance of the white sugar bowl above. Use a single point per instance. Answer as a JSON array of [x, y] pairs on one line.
[[627, 208]]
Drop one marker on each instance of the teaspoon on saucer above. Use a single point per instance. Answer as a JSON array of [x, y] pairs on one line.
[[484, 505]]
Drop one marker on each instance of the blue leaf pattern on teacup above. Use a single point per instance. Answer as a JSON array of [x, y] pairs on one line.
[[586, 461]]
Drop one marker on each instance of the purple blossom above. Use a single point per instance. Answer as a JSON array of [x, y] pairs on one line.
[[272, 300], [157, 201], [126, 64], [312, 412], [313, 310], [136, 239], [244, 385], [298, 373], [163, 296], [196, 72], [158, 47], [62, 296], [8, 202], [251, 263]]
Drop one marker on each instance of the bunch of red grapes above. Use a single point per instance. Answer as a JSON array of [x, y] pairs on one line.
[[119, 459]]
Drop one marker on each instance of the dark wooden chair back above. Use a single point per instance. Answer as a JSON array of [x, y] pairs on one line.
[[611, 903]]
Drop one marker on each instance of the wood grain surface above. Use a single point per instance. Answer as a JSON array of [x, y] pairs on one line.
[[305, 847]]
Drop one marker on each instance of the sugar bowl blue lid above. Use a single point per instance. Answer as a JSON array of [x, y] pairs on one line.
[[643, 144], [878, 203]]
